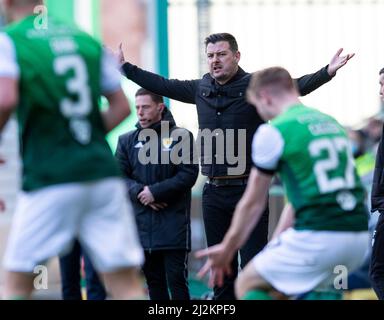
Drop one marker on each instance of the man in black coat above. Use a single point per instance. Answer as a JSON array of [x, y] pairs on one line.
[[377, 204], [160, 171], [226, 152]]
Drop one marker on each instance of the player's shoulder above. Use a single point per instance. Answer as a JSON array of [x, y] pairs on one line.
[[266, 133], [298, 115], [267, 147]]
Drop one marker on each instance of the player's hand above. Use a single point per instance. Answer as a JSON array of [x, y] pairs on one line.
[[146, 196], [218, 264], [338, 61]]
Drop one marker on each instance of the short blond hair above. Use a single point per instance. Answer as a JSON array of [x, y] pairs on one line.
[[276, 78]]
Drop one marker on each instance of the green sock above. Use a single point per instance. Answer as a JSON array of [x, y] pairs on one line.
[[256, 295], [16, 298], [324, 295]]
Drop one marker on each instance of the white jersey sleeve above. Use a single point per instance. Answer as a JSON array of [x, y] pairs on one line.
[[267, 148], [110, 75], [8, 62]]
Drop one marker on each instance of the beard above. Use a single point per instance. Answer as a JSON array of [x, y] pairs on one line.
[[225, 75], [221, 77]]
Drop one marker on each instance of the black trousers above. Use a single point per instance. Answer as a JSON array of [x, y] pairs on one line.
[[167, 271], [219, 203], [70, 276], [377, 259]]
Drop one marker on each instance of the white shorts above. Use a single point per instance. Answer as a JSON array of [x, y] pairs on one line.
[[98, 214], [299, 261]]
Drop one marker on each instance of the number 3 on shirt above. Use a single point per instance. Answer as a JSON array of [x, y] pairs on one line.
[[76, 111], [76, 85]]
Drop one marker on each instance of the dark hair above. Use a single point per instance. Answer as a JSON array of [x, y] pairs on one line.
[[276, 77], [216, 37], [155, 97], [381, 71]]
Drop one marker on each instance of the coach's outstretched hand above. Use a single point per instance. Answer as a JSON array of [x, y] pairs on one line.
[[338, 61], [120, 54]]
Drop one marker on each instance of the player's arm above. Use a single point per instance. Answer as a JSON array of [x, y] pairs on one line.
[[267, 148], [119, 107], [248, 210], [9, 74], [8, 99], [9, 89], [286, 220]]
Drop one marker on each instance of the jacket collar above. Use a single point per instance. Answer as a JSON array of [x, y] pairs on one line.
[[165, 117], [239, 74]]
